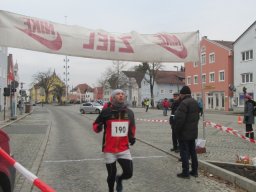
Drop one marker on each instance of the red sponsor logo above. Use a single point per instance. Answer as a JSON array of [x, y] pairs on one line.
[[38, 30], [105, 42], [172, 44]]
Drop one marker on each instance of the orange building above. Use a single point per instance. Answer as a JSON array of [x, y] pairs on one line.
[[217, 74]]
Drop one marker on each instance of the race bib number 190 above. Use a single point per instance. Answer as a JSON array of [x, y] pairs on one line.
[[119, 129]]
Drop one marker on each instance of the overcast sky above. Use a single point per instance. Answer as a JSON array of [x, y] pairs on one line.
[[216, 19]]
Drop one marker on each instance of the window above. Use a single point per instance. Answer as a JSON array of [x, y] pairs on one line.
[[203, 78], [195, 79], [247, 55], [203, 58], [162, 91], [212, 77], [247, 77], [212, 58], [170, 91], [221, 76], [188, 80], [195, 64]]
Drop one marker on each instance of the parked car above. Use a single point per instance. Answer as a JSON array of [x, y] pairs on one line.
[[7, 172], [90, 107], [159, 103]]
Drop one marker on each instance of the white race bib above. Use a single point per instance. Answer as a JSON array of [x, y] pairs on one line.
[[119, 129]]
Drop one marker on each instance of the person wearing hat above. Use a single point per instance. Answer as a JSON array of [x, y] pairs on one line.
[[186, 128], [175, 104], [118, 124], [248, 116]]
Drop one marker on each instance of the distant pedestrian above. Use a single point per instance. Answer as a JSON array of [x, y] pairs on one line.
[[186, 127], [166, 105], [200, 105], [42, 102], [175, 104], [118, 123], [21, 106], [248, 116], [146, 103]]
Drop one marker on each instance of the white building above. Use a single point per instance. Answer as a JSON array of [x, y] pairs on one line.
[[3, 74], [245, 65], [166, 83]]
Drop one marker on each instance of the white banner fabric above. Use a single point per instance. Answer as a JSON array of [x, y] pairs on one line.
[[35, 34]]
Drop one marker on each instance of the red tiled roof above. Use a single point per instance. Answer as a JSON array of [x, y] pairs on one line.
[[172, 77], [83, 88]]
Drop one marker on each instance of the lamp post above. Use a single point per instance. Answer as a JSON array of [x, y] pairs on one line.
[[177, 77], [66, 74], [66, 67]]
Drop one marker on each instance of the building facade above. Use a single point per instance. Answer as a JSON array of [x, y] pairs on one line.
[[3, 74], [217, 75], [166, 83], [245, 66]]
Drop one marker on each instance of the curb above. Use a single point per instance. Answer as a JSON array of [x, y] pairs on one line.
[[234, 178], [9, 121]]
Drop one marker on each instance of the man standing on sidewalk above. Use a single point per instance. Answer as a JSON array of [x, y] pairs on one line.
[[186, 127], [174, 107]]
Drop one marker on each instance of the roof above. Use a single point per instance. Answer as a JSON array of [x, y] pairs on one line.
[[135, 74], [228, 44], [170, 77], [245, 31], [224, 44], [83, 88]]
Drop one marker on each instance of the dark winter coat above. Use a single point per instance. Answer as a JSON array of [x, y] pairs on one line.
[[248, 112], [174, 107], [186, 119]]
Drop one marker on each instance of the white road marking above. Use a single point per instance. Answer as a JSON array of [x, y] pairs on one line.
[[100, 159]]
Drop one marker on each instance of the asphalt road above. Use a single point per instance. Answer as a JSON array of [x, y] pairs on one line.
[[58, 145]]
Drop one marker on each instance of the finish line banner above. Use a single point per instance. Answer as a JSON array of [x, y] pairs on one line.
[[35, 34]]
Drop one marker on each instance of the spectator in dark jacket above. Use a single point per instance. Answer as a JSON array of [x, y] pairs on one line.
[[248, 116], [186, 127], [174, 107]]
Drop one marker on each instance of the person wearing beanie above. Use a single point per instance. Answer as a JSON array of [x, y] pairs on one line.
[[185, 90], [186, 129], [118, 123], [248, 116]]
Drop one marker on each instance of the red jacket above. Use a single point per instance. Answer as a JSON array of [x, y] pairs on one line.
[[119, 129], [166, 103]]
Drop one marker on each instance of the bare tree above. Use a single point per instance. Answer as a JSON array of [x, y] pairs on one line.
[[58, 91], [114, 76], [151, 71], [44, 80]]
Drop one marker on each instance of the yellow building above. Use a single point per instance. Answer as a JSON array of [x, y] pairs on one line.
[[38, 95]]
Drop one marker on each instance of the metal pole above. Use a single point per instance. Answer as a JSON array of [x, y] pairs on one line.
[[66, 79], [66, 69], [202, 86]]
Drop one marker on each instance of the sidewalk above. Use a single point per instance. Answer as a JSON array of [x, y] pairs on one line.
[[5, 117]]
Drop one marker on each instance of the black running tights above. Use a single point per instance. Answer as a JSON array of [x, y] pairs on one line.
[[127, 168]]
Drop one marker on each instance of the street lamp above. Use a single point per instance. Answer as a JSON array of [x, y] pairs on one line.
[[177, 77], [66, 73]]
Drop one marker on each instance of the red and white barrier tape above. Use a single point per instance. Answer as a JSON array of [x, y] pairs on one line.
[[153, 120], [30, 176], [229, 130]]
